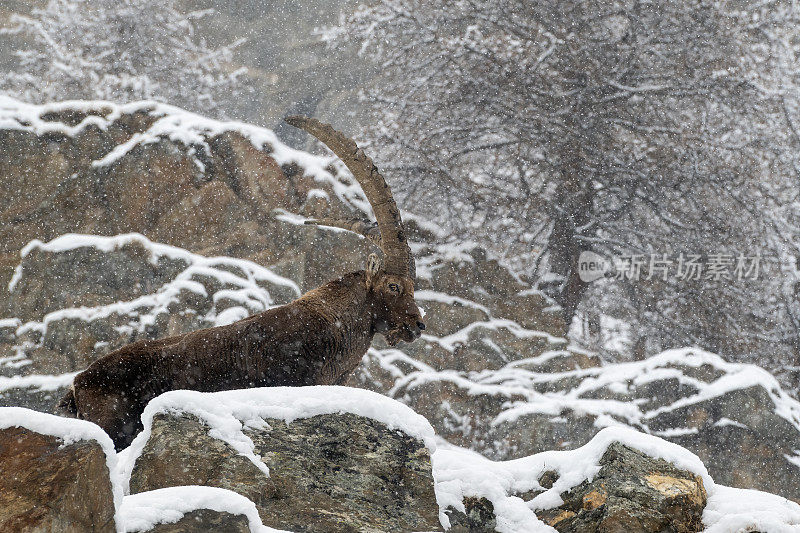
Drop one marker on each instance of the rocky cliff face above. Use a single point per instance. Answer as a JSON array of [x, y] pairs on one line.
[[218, 209], [206, 186]]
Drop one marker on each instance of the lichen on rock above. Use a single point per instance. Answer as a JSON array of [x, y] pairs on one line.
[[338, 472], [632, 493]]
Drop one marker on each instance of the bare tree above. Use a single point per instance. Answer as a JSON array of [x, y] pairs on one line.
[[631, 127], [122, 51]]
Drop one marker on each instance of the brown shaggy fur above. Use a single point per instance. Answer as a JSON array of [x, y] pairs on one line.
[[316, 340]]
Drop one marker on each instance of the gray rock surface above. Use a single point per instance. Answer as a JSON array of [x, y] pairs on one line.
[[327, 473], [203, 521], [478, 517], [632, 493]]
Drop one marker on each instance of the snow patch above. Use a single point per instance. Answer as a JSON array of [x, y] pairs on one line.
[[722, 422], [676, 432], [441, 297], [730, 509], [143, 511], [452, 341], [244, 287], [41, 382]]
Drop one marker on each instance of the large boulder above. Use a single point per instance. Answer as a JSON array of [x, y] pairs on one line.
[[327, 472], [632, 493], [54, 478]]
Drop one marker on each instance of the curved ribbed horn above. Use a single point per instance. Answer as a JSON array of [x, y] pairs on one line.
[[398, 259]]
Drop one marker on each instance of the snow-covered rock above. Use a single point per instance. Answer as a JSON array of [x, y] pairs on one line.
[[111, 291], [216, 188], [522, 493], [735, 417], [632, 492], [312, 459], [525, 492], [334, 456], [189, 509]]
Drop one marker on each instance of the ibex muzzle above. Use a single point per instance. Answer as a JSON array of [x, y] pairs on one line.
[[317, 339]]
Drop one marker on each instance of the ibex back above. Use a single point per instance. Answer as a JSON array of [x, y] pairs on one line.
[[317, 339]]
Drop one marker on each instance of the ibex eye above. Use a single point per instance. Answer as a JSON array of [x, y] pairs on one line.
[[394, 287]]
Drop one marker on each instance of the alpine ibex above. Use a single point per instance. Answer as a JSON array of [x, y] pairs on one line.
[[317, 339]]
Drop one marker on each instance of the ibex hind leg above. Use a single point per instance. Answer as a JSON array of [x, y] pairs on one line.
[[67, 406], [117, 414]]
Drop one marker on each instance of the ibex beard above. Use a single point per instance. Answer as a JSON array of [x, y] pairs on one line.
[[317, 339]]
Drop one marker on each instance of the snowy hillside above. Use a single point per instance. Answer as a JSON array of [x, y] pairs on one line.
[[73, 119]]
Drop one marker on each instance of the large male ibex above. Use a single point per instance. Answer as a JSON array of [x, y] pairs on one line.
[[317, 339]]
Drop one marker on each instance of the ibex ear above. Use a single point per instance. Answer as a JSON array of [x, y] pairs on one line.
[[374, 265]]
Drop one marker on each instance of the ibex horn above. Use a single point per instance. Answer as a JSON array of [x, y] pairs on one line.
[[398, 259]]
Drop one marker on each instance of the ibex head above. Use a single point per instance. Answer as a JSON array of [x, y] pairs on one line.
[[390, 281]]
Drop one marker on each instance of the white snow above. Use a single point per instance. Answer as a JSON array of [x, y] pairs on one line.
[[432, 258], [441, 297], [17, 360], [180, 126], [143, 511], [452, 341], [10, 323], [794, 459], [42, 382], [294, 219], [245, 286], [724, 421], [732, 510], [676, 432], [426, 225], [461, 473], [206, 265]]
